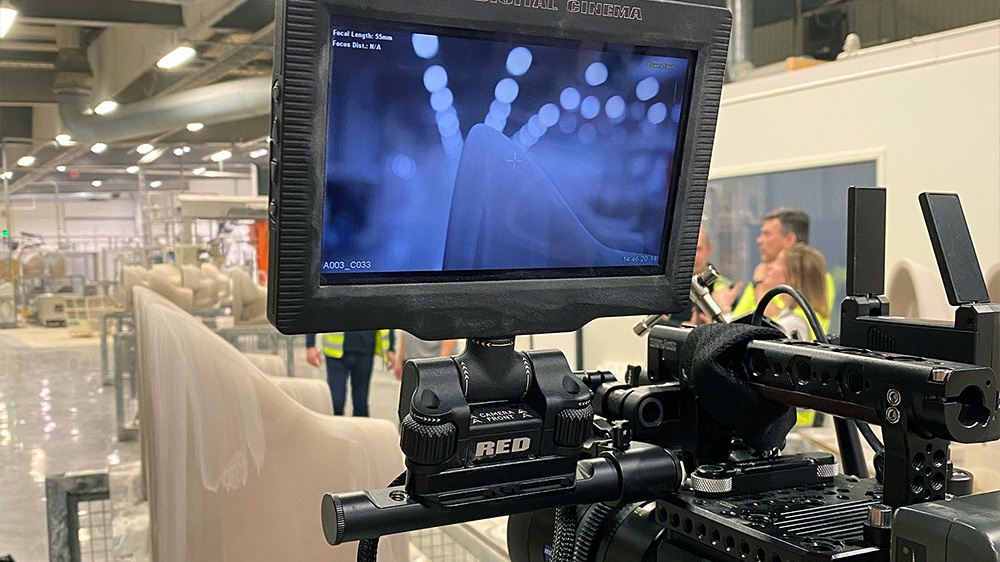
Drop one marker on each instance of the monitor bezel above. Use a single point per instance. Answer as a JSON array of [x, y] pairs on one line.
[[460, 307]]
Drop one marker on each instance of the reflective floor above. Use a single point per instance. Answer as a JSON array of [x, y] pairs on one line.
[[55, 417]]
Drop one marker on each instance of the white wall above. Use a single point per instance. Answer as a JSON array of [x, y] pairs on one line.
[[115, 217], [82, 218], [927, 110]]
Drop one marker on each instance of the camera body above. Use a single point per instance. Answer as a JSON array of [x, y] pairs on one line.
[[489, 168]]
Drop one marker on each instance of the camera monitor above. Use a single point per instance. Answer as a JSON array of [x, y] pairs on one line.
[[478, 168]]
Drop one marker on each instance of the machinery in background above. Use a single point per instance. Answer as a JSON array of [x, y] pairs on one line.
[[51, 309]]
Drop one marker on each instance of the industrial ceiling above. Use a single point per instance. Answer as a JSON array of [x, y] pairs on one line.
[[61, 59]]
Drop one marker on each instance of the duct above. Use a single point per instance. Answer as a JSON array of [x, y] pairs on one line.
[[218, 103], [740, 63]]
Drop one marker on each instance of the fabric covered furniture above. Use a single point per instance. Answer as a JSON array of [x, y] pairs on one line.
[[132, 276], [205, 289], [165, 280], [235, 469], [916, 291], [222, 279], [249, 300]]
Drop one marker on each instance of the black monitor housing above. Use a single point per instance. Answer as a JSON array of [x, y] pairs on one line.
[[468, 304]]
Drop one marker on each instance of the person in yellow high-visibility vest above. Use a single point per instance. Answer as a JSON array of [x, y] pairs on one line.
[[351, 354], [701, 263], [782, 228]]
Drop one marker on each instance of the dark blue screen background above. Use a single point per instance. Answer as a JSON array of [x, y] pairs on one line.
[[450, 153]]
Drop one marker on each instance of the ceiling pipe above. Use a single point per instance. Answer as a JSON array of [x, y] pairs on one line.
[[218, 103], [740, 63]]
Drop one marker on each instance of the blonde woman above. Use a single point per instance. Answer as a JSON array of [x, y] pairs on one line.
[[804, 268]]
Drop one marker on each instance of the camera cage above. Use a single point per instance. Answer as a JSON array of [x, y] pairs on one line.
[[457, 306]]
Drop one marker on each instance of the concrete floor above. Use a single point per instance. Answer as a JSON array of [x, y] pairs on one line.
[[56, 417]]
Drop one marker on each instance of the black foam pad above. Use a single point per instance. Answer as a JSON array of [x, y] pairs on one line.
[[712, 356]]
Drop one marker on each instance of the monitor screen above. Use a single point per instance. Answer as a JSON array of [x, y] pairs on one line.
[[466, 154]]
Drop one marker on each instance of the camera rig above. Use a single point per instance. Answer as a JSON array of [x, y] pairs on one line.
[[660, 469], [680, 460]]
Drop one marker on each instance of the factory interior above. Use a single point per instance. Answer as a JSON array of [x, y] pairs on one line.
[[137, 164]]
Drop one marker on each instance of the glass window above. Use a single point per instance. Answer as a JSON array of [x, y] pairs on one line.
[[734, 205]]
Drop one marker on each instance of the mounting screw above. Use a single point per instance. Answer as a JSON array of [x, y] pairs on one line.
[[940, 374], [880, 515], [397, 495], [893, 397], [892, 415]]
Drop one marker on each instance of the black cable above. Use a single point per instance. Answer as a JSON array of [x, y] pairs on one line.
[[758, 314], [564, 534], [870, 437], [368, 548]]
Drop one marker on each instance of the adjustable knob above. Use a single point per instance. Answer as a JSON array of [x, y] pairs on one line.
[[426, 443], [573, 426]]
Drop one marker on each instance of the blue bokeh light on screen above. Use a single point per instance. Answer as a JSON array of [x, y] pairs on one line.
[[657, 113], [435, 78], [442, 99], [590, 107], [447, 123], [506, 90], [647, 88], [518, 61], [567, 123], [473, 152], [404, 166], [501, 109], [549, 114], [425, 46], [569, 98], [535, 126], [614, 108], [596, 74]]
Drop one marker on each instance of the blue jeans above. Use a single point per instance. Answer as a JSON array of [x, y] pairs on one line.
[[357, 366]]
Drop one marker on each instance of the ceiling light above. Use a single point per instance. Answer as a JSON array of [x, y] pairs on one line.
[[106, 107], [187, 149], [97, 183], [177, 57], [64, 140], [258, 153], [178, 151], [221, 155], [99, 148], [155, 184], [26, 161], [198, 171], [195, 127], [7, 175], [152, 156], [60, 169], [132, 169], [144, 148], [8, 14]]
